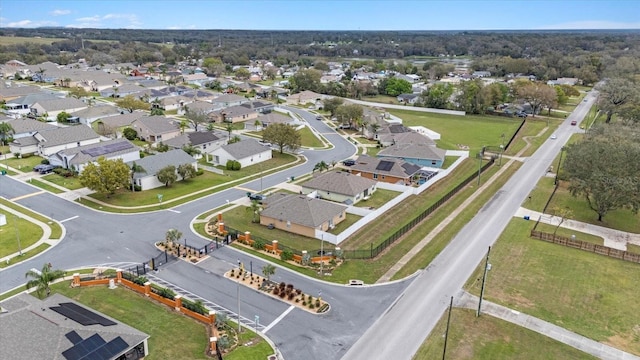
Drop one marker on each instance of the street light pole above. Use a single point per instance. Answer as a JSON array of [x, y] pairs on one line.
[[321, 254], [238, 295], [446, 332], [487, 266], [479, 166], [15, 224]]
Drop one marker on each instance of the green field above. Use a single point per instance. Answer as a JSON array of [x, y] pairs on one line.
[[378, 198], [56, 230], [24, 164], [71, 183], [473, 131], [486, 337], [309, 139], [45, 186], [17, 229], [587, 293]]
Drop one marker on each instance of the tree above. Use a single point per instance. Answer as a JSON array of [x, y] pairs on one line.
[[130, 133], [395, 86], [332, 104], [268, 270], [242, 73], [438, 96], [563, 214], [537, 95], [608, 180], [191, 150], [78, 92], [470, 98], [615, 93], [321, 65], [6, 130], [42, 279], [349, 113], [135, 168], [213, 65], [494, 94], [195, 117], [173, 235], [130, 103], [167, 175], [186, 171], [63, 117], [255, 209], [106, 176], [156, 111], [283, 136], [321, 166], [308, 79]]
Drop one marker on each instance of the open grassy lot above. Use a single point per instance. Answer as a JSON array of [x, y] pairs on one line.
[[593, 239], [21, 40], [378, 198], [165, 327], [17, 228], [71, 183], [349, 220], [489, 338], [384, 99], [24, 164], [309, 139], [470, 130], [182, 188], [587, 293], [56, 230]]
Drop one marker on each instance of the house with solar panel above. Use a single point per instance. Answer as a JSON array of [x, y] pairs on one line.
[[390, 170], [77, 158], [60, 328], [48, 142]]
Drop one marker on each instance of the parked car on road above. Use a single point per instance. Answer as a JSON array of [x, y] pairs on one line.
[[349, 162], [573, 122], [257, 197]]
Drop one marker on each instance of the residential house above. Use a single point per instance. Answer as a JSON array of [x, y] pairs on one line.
[[226, 100], [204, 141], [339, 186], [200, 95], [155, 129], [387, 133], [21, 106], [112, 124], [57, 327], [89, 115], [147, 179], [49, 142], [390, 170], [234, 114], [304, 97], [300, 214], [77, 158], [11, 91], [198, 106], [481, 74], [262, 107], [247, 152], [563, 81], [269, 119], [51, 108], [124, 90], [26, 127], [416, 149], [199, 79], [408, 98]]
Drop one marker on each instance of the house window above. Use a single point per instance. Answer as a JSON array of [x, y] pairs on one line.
[[433, 162], [375, 176]]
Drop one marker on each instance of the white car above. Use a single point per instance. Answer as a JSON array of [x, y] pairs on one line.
[[553, 137]]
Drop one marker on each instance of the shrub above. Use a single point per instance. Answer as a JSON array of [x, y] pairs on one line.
[[286, 255], [199, 172], [258, 245], [195, 306], [130, 133], [140, 280], [291, 295], [311, 306], [44, 162]]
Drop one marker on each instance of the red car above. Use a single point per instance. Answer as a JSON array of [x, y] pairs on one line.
[[573, 122]]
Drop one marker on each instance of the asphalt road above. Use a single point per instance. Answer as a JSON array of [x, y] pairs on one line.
[[399, 332]]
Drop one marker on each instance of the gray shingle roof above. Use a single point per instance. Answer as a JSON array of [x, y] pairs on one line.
[[302, 210], [157, 124], [413, 146], [274, 118], [96, 112], [32, 330], [340, 182], [25, 125], [236, 110], [123, 119], [61, 104], [244, 148], [84, 153], [400, 168], [152, 164], [66, 135]]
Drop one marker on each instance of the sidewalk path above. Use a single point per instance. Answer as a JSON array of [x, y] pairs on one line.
[[599, 350], [612, 238]]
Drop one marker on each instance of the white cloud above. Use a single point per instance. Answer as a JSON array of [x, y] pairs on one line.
[[60, 12], [592, 24], [114, 21], [27, 23]]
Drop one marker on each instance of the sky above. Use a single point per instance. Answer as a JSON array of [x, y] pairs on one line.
[[324, 14]]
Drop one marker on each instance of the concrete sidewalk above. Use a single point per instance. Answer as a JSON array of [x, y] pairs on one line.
[[602, 351], [615, 239]]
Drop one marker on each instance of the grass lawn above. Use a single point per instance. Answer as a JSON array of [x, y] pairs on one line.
[[56, 230], [309, 139], [593, 239], [385, 99], [633, 248], [349, 220], [43, 186], [166, 328], [378, 198], [372, 151], [182, 188], [587, 293], [363, 140], [24, 164], [471, 130], [489, 338], [22, 40], [448, 161], [25, 255], [71, 183], [17, 228]]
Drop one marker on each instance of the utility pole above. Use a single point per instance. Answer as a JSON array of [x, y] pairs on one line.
[[238, 295], [321, 254], [480, 165], [487, 266], [446, 332], [15, 224]]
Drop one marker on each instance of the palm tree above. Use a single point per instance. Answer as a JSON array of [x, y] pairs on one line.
[[135, 168], [229, 128], [255, 209], [321, 166], [257, 124], [5, 130], [42, 279], [173, 235], [268, 270]]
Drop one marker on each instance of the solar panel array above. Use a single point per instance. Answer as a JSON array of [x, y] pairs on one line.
[[108, 149], [384, 165], [81, 315], [95, 348]]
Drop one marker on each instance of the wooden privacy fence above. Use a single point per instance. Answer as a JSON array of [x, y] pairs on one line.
[[586, 246]]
